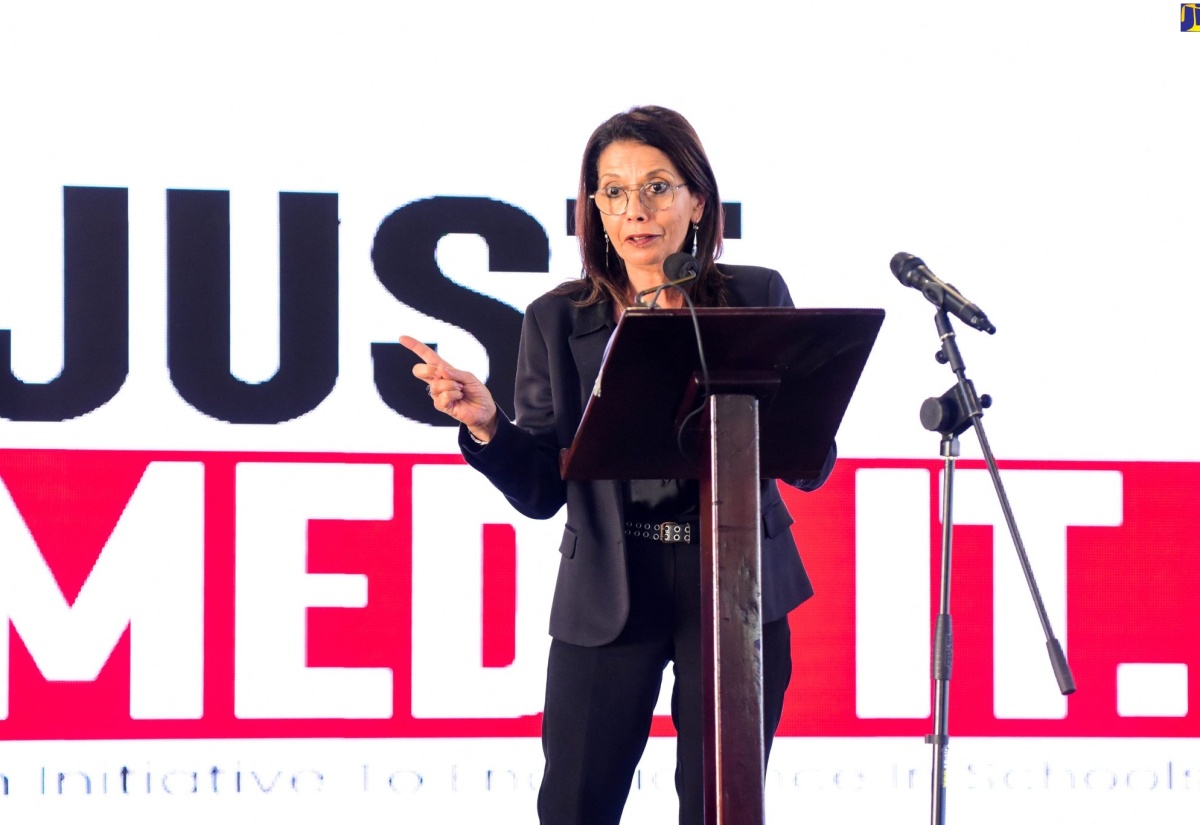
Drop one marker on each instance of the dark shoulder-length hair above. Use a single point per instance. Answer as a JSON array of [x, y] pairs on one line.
[[604, 275]]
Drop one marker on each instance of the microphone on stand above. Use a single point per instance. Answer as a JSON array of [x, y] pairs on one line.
[[679, 267], [911, 271]]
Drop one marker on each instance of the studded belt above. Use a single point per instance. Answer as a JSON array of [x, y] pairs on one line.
[[667, 531]]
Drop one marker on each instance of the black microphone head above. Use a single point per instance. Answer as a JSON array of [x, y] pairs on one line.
[[679, 265], [903, 265]]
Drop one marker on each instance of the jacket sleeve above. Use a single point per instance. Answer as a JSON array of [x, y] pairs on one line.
[[521, 460], [810, 484], [779, 296]]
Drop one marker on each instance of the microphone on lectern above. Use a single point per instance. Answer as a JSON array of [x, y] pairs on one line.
[[679, 267]]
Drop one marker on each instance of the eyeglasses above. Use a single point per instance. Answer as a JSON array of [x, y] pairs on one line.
[[656, 196]]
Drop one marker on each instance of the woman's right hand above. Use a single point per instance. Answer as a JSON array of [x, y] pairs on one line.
[[457, 393]]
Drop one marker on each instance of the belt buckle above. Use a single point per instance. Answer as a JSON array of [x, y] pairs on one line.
[[671, 532]]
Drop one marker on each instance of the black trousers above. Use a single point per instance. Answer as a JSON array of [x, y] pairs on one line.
[[600, 700]]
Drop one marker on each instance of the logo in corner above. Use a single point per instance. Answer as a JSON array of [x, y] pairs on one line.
[[1189, 17]]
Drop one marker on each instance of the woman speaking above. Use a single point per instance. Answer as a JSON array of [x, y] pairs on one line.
[[627, 598]]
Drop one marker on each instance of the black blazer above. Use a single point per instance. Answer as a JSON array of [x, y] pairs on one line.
[[560, 353]]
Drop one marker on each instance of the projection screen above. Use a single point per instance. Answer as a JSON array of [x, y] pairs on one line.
[[246, 574]]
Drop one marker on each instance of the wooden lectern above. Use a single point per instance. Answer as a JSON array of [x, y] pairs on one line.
[[778, 383]]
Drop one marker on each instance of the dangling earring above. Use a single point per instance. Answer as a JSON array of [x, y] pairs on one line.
[[606, 250], [695, 238]]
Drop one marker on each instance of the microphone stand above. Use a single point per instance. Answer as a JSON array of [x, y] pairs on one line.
[[951, 414], [657, 290]]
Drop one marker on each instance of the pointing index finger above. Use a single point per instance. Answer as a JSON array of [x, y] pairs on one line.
[[425, 353]]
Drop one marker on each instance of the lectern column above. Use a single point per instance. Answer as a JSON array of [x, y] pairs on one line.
[[731, 520]]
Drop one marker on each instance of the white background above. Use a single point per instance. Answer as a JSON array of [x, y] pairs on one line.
[[1041, 156]]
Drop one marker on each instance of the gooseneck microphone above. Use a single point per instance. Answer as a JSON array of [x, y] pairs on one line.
[[911, 271], [679, 267]]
